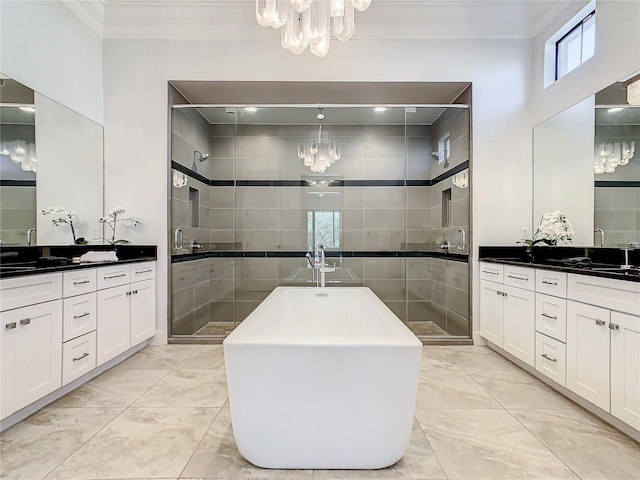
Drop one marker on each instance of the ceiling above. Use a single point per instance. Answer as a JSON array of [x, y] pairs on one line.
[[333, 116], [385, 19]]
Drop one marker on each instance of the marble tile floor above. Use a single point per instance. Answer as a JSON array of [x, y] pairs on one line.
[[164, 414]]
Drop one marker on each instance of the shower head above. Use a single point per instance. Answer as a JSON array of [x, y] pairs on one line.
[[203, 157]]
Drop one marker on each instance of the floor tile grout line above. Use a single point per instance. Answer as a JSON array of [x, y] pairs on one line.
[[553, 452], [431, 447], [88, 440], [200, 442]]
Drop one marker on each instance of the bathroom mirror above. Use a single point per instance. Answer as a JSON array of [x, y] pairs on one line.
[[585, 165], [50, 156]]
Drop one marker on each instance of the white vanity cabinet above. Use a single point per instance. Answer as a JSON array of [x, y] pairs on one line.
[[58, 328], [126, 308], [507, 303], [30, 339], [603, 344], [586, 337], [79, 323]]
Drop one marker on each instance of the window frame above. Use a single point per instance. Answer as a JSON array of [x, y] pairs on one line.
[[580, 26]]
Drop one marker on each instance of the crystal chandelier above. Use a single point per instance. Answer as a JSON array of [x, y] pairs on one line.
[[308, 22], [612, 155], [319, 154]]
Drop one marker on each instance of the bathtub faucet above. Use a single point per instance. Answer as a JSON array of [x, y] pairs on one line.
[[320, 264]]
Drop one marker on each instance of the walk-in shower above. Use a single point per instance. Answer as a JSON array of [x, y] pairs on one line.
[[383, 210]]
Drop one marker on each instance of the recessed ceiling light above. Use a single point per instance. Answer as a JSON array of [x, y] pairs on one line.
[[615, 109], [380, 109], [26, 108], [251, 109]]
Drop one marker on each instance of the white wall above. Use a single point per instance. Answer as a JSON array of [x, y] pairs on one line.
[[617, 55], [47, 48], [136, 112]]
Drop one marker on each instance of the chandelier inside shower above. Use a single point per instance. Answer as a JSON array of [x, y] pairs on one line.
[[307, 23], [319, 153]]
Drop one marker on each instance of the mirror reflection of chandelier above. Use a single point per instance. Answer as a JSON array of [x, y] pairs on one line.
[[320, 153], [307, 23], [22, 153], [612, 155]]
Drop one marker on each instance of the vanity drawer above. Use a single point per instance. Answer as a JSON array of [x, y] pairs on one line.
[[79, 316], [113, 276], [521, 277], [78, 357], [143, 271], [492, 272], [551, 283], [619, 295], [551, 316], [79, 282], [23, 291], [551, 358]]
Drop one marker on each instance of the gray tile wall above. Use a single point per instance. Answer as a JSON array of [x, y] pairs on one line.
[[617, 209], [374, 218], [17, 215]]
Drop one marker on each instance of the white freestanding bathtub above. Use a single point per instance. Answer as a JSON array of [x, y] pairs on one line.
[[322, 378]]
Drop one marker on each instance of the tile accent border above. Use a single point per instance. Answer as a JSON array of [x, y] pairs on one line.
[[330, 183], [17, 183], [617, 183], [187, 257]]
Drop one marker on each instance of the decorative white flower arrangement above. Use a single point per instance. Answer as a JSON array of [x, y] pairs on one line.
[[112, 221], [64, 216], [554, 227]]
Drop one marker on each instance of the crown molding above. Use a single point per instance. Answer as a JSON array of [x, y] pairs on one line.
[[91, 12], [386, 19]]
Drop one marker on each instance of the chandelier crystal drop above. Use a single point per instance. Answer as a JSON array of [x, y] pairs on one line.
[[320, 153], [613, 154], [307, 23]]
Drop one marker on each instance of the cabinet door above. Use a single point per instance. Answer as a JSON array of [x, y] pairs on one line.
[[625, 368], [31, 354], [491, 311], [519, 324], [588, 352], [143, 311], [112, 336]]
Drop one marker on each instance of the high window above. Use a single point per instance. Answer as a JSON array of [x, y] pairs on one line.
[[576, 46]]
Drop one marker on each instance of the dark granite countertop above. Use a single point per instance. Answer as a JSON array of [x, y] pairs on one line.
[[22, 261], [598, 262]]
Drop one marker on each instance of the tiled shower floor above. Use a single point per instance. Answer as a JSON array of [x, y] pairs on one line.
[[163, 414]]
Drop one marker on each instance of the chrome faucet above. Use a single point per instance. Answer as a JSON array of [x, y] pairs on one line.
[[601, 232], [462, 239], [444, 245], [195, 246], [631, 246], [319, 263], [178, 238], [30, 233]]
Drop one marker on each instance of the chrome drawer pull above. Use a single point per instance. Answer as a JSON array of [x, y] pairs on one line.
[[84, 355], [81, 282], [135, 291], [549, 316], [115, 276], [600, 322], [86, 314], [614, 326], [518, 278], [550, 283], [144, 271], [10, 326], [25, 321], [492, 273], [544, 355]]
